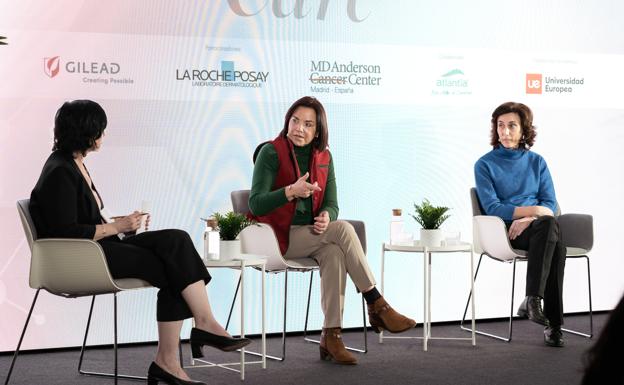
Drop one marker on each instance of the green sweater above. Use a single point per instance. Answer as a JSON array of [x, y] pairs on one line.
[[262, 200]]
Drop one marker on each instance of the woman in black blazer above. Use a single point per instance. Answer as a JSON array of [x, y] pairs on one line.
[[66, 204]]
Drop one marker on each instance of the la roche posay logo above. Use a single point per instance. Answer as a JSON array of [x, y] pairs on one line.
[[342, 77], [228, 75], [299, 10], [92, 72]]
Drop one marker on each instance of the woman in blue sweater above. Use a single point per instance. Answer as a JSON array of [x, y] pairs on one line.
[[514, 184]]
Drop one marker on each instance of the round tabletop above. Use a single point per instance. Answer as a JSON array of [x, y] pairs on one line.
[[419, 248], [247, 259]]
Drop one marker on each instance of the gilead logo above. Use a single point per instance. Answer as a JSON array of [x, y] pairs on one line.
[[51, 66], [533, 83]]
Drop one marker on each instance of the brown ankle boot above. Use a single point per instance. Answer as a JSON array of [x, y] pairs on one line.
[[332, 348], [382, 316]]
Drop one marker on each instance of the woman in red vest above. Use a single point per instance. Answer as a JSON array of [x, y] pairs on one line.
[[294, 190]]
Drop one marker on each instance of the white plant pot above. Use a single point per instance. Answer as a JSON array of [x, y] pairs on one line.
[[229, 249], [431, 238]]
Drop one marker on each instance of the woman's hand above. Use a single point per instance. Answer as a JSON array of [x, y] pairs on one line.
[[531, 211], [128, 223], [543, 210], [518, 226], [301, 188], [321, 222]]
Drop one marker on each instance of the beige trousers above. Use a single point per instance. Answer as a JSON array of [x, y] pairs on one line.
[[338, 251]]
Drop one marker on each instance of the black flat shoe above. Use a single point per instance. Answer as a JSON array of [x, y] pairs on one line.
[[553, 337], [531, 308], [200, 338], [156, 374]]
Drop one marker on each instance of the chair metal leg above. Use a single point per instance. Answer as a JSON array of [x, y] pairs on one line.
[[480, 332], [116, 374], [233, 302], [591, 318], [364, 327], [19, 344], [305, 327]]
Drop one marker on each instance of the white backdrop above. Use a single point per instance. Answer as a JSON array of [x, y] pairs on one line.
[[435, 72]]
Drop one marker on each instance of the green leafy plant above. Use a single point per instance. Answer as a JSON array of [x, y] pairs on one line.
[[428, 216], [231, 224]]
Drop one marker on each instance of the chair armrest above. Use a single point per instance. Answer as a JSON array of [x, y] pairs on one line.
[[577, 230], [70, 267], [360, 230], [491, 234]]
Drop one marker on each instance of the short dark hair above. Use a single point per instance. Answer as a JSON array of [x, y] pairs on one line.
[[526, 123], [77, 125], [322, 134]]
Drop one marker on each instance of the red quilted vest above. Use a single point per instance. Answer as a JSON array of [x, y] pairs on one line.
[[281, 218]]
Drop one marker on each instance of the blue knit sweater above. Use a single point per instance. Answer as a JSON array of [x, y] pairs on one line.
[[507, 179]]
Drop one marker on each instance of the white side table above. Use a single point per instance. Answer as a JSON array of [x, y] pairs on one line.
[[427, 251], [240, 263]]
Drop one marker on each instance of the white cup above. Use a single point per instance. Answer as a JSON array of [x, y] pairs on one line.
[[452, 237], [146, 207]]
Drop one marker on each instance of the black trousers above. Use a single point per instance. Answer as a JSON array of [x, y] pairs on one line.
[[545, 264], [167, 259]]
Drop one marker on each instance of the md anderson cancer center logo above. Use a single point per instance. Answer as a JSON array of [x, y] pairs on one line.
[[91, 72], [343, 78], [226, 76]]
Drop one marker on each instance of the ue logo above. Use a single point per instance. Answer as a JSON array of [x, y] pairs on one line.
[[533, 83]]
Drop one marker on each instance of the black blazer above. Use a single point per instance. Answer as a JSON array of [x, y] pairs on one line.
[[61, 204]]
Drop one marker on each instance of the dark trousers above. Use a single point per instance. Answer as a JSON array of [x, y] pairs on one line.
[[545, 265], [167, 259]]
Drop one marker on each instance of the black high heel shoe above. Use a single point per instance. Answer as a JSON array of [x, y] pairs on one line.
[[200, 338], [155, 374]]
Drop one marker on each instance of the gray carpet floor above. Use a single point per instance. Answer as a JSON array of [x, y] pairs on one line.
[[525, 360]]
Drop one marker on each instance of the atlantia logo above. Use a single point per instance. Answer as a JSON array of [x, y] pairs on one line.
[[538, 84], [324, 74], [92, 72], [453, 82], [298, 11], [226, 76]]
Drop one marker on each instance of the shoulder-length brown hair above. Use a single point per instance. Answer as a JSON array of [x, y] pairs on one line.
[[322, 135], [526, 123]]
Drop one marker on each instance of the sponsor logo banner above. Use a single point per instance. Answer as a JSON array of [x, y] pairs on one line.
[[89, 72], [343, 77], [553, 84], [228, 75], [453, 82]]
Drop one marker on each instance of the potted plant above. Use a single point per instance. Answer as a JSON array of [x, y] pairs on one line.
[[430, 218], [229, 226]]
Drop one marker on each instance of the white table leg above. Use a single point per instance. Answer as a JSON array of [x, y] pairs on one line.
[[263, 320], [242, 321], [425, 302], [472, 298], [429, 295], [383, 258]]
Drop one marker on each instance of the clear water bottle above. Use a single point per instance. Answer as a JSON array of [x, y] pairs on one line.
[[396, 227], [211, 240]]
